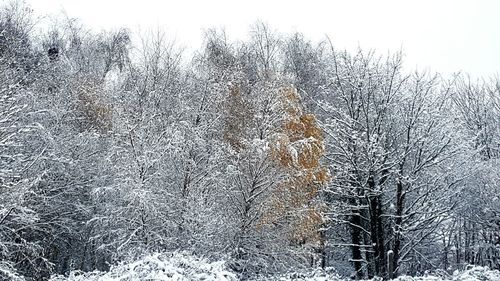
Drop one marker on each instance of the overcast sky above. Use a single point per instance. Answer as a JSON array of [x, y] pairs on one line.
[[439, 35]]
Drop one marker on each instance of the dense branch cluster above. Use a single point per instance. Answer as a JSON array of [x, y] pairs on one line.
[[275, 154]]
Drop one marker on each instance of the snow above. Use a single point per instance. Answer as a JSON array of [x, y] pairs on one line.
[[180, 266], [476, 273], [173, 266], [7, 273]]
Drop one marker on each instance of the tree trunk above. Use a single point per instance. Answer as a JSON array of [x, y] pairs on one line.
[[397, 226], [356, 242], [376, 230]]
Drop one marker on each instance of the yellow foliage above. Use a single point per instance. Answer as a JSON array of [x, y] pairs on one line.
[[321, 176], [307, 228], [311, 130], [279, 151], [293, 199], [309, 156]]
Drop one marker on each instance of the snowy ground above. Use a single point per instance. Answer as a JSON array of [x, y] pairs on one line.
[[182, 267]]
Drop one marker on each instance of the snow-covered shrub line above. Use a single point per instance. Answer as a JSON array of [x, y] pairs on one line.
[[476, 273], [180, 266], [167, 266]]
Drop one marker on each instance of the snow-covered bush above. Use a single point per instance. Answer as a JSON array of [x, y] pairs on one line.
[[475, 273], [168, 266], [179, 266], [8, 273], [328, 274]]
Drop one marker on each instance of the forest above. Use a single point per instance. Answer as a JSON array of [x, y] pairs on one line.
[[275, 154]]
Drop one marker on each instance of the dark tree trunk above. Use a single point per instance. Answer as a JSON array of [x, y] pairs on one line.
[[356, 243], [398, 220], [376, 229]]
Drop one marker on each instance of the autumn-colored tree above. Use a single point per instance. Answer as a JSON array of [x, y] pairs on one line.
[[298, 149]]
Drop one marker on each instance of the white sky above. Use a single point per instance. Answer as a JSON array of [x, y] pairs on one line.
[[439, 35]]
